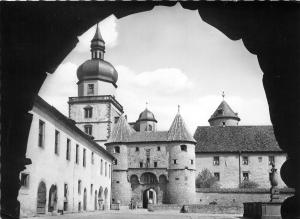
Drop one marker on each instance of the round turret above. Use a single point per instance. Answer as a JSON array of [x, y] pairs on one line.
[[146, 121]]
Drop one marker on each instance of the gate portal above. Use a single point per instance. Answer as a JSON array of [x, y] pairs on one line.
[[41, 199]]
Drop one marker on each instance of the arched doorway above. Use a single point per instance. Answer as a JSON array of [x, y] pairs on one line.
[[100, 198], [95, 201], [52, 204], [84, 199], [106, 199], [149, 196], [41, 199]]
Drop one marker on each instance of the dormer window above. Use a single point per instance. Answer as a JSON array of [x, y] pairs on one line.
[[88, 112], [220, 111], [90, 89]]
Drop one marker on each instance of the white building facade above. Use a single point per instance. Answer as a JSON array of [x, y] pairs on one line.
[[69, 171]]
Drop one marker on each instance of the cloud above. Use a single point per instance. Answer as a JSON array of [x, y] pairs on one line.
[[108, 28], [59, 86]]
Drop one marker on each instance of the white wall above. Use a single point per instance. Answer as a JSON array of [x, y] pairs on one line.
[[55, 169]]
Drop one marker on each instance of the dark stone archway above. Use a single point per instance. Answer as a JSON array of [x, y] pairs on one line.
[[36, 37]]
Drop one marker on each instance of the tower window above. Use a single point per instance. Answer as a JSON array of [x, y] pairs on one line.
[[101, 167], [183, 147], [90, 89], [158, 148], [25, 180], [79, 186], [271, 160], [150, 128], [245, 176], [216, 161], [105, 169], [117, 150], [41, 133], [88, 112], [91, 189], [141, 164], [88, 129], [192, 162], [260, 159], [245, 160], [217, 176], [175, 161], [155, 164], [115, 162], [117, 119], [137, 149]]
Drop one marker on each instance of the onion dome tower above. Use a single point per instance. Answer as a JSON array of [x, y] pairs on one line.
[[181, 171], [224, 115], [95, 110], [146, 121]]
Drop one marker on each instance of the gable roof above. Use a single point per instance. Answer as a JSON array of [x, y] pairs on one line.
[[236, 138], [224, 111]]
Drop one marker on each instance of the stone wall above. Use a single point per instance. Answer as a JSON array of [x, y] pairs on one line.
[[121, 189], [229, 167]]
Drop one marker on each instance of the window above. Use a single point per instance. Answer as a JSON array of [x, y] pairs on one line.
[[245, 160], [155, 164], [116, 119], [177, 178], [105, 169], [90, 89], [56, 143], [101, 167], [183, 147], [88, 129], [109, 170], [88, 112], [217, 176], [175, 161], [25, 180], [79, 186], [245, 176], [77, 154], [192, 162], [260, 159], [141, 164], [150, 128], [158, 148], [92, 189], [65, 190], [216, 161], [115, 162], [92, 158], [68, 153], [84, 157], [137, 149], [117, 150], [41, 133], [271, 160]]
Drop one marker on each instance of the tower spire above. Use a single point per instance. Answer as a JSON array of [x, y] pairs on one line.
[[223, 95], [178, 110], [97, 45]]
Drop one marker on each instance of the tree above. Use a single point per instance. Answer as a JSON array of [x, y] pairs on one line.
[[206, 179]]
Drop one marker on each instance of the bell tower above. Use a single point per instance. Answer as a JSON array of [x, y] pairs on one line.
[[95, 110]]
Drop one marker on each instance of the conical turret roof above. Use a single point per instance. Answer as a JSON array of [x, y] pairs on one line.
[[224, 111], [178, 131], [121, 131]]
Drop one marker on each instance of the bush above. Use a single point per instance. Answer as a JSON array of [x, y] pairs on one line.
[[248, 185], [205, 179]]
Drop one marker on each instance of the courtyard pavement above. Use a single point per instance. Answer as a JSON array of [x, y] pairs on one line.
[[139, 214]]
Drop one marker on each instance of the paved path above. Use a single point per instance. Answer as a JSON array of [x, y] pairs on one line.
[[139, 214]]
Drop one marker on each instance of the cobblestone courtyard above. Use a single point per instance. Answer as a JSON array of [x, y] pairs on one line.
[[139, 214]]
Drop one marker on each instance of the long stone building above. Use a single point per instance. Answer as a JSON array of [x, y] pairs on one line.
[[69, 170], [235, 154]]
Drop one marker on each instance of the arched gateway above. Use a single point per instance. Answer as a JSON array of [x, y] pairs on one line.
[[149, 197], [41, 199]]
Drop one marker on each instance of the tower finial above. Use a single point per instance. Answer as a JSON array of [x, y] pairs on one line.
[[146, 104], [178, 110], [97, 45], [223, 95]]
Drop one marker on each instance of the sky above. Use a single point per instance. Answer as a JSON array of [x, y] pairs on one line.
[[169, 57]]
